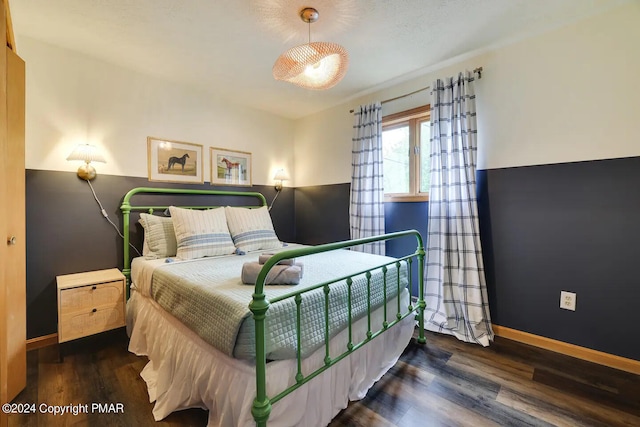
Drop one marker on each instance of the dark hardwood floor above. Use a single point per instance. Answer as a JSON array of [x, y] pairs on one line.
[[444, 383]]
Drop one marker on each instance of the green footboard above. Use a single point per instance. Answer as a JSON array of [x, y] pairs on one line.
[[259, 306]]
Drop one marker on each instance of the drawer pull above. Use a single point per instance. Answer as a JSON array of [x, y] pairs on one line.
[[94, 310], [93, 288]]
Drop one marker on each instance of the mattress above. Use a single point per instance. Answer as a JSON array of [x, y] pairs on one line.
[[206, 295]]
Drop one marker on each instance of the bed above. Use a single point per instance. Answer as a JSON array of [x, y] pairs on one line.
[[255, 354]]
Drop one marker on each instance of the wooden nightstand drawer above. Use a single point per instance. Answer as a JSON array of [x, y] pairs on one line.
[[90, 296], [89, 303], [84, 323]]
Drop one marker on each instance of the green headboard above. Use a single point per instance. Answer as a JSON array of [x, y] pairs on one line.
[[127, 207]]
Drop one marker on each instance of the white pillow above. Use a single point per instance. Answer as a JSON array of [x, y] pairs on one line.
[[251, 229], [159, 236], [201, 233]]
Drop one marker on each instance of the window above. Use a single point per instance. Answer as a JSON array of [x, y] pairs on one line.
[[405, 150]]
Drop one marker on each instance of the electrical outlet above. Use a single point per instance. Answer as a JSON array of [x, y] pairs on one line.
[[568, 300]]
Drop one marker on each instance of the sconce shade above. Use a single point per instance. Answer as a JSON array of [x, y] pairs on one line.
[[316, 66], [87, 153], [281, 175]]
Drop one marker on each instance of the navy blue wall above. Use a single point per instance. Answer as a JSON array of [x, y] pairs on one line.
[[403, 216], [322, 214], [400, 216], [544, 229], [573, 227], [67, 234]]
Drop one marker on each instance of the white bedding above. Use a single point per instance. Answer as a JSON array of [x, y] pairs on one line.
[[191, 373]]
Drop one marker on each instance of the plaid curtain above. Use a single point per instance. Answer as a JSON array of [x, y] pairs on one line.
[[456, 292], [366, 208]]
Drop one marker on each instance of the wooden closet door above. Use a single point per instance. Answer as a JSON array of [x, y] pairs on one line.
[[12, 220], [3, 219], [14, 207]]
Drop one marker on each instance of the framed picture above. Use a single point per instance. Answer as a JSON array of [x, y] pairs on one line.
[[174, 161], [230, 167]]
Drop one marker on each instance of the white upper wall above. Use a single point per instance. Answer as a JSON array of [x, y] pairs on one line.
[[568, 95], [73, 99]]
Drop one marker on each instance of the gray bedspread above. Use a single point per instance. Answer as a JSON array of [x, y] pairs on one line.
[[208, 297]]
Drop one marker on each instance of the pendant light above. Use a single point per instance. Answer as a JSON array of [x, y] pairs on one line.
[[317, 65]]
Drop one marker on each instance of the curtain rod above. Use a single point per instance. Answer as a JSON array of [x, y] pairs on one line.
[[477, 70]]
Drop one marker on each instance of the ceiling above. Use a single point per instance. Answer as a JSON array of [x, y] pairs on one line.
[[228, 47]]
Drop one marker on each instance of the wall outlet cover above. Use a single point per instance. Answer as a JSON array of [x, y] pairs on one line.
[[568, 300]]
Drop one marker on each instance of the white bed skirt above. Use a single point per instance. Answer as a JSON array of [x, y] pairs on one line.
[[186, 372]]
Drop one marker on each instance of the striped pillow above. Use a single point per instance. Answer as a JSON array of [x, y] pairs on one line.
[[159, 237], [201, 233], [251, 229]]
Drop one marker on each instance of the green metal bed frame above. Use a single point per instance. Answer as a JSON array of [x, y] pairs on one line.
[[259, 304]]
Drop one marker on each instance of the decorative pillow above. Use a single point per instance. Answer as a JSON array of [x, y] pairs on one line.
[[201, 233], [159, 237], [251, 229]]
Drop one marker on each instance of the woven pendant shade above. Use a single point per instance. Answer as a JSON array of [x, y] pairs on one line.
[[317, 65]]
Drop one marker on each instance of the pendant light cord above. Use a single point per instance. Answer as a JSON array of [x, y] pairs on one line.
[[106, 216]]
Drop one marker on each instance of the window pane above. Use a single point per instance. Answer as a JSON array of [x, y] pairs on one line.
[[395, 150], [425, 156]]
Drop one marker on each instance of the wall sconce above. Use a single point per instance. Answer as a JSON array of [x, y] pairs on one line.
[[87, 153], [279, 177]]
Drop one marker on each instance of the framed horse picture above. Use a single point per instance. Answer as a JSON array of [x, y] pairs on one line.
[[174, 161], [230, 167]]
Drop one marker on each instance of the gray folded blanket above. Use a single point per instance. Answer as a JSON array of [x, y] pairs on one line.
[[278, 275], [266, 255]]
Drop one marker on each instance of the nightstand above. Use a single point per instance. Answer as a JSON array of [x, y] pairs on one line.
[[90, 303]]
